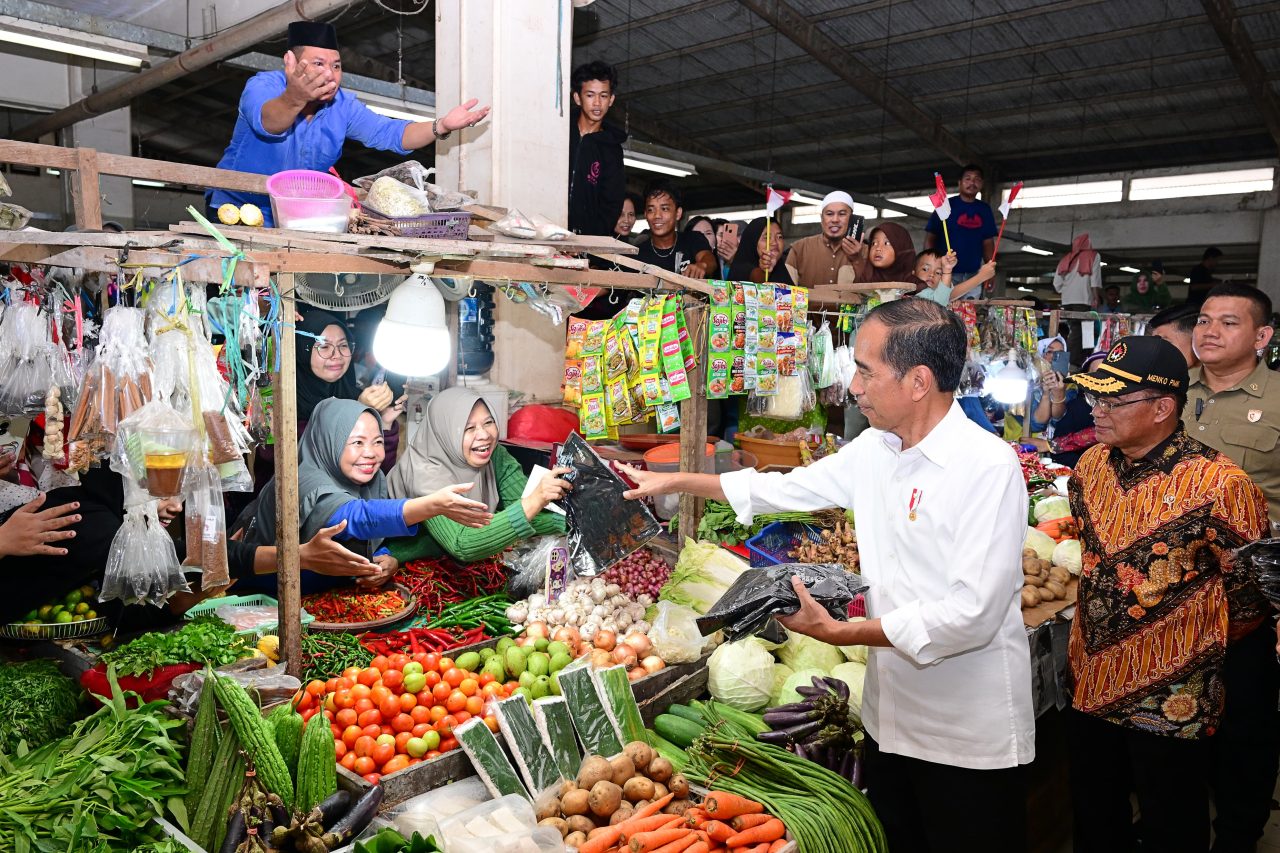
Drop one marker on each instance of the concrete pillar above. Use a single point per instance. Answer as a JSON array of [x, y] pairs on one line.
[[1269, 255], [515, 56]]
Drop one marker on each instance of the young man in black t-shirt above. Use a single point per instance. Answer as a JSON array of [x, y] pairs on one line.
[[688, 254]]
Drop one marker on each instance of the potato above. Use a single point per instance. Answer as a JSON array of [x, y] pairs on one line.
[[582, 823], [1029, 580], [638, 788], [594, 769], [575, 839], [639, 804], [1030, 596], [546, 807], [1030, 566], [1045, 594], [604, 798], [679, 786], [1060, 575], [567, 786], [640, 753], [559, 823], [622, 769], [623, 812], [1059, 592], [1029, 552], [660, 769], [575, 802], [678, 807], [659, 791]]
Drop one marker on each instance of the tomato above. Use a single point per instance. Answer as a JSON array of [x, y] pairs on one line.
[[379, 663], [432, 738], [378, 693], [397, 661], [438, 713], [365, 704], [452, 676], [420, 714], [434, 753], [431, 662], [413, 682], [445, 726], [343, 699], [461, 717], [330, 685], [364, 745], [485, 679], [492, 722], [402, 739], [351, 673], [402, 723], [420, 729], [441, 692], [475, 704], [372, 778], [350, 735], [392, 679], [469, 686], [382, 753], [390, 739], [315, 687], [346, 717], [445, 664], [339, 749], [425, 699], [512, 686], [337, 730], [369, 676], [364, 764], [328, 715], [420, 659], [408, 701], [371, 717], [493, 688], [449, 744], [372, 730], [396, 764], [307, 715], [348, 760], [432, 678], [385, 729], [389, 707], [415, 748], [456, 702]]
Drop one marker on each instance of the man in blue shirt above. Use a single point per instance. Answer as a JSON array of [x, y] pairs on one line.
[[971, 226], [299, 118]]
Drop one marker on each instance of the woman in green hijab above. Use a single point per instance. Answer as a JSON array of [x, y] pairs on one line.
[[340, 480], [457, 442], [1148, 293]]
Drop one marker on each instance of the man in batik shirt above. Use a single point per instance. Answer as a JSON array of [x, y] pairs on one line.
[[1160, 599]]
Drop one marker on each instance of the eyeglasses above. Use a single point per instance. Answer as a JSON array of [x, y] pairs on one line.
[[324, 349], [1107, 406]]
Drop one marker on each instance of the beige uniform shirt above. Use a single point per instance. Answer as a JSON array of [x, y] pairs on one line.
[[1244, 423], [813, 264]]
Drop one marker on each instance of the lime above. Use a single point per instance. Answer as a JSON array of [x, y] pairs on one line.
[[73, 598], [91, 614], [87, 591], [79, 617], [45, 611], [57, 608], [63, 617], [82, 607], [33, 616]]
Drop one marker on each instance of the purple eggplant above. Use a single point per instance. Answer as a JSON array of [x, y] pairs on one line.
[[787, 719], [839, 687], [781, 737], [812, 692], [803, 731], [856, 776], [786, 709], [801, 752]]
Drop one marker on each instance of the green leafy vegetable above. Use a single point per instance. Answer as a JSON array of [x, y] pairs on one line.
[[37, 704], [702, 574], [205, 639], [390, 841], [719, 523]]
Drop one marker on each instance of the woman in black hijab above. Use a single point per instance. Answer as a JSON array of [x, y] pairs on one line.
[[760, 250]]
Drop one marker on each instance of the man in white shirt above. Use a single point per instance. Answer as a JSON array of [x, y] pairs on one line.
[[941, 510]]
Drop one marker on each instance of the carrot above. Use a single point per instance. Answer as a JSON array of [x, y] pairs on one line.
[[769, 831], [695, 816], [698, 847], [721, 804], [645, 842], [746, 821], [719, 830], [605, 840], [677, 846], [648, 824], [777, 845]]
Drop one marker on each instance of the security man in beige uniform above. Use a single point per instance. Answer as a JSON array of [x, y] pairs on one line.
[[1233, 405]]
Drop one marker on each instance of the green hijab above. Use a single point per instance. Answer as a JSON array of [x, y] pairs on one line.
[[434, 459], [322, 487]]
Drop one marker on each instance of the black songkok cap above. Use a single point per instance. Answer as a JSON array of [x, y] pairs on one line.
[[313, 34]]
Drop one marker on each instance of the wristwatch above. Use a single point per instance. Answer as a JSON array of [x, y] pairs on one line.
[[435, 129]]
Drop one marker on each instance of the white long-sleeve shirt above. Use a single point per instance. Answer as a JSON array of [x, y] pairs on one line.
[[955, 688], [1077, 289]]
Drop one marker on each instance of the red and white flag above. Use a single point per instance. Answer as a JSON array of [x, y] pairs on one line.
[[939, 199], [1008, 202], [774, 199]]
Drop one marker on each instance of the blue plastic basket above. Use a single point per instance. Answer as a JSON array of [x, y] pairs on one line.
[[773, 545], [256, 600]]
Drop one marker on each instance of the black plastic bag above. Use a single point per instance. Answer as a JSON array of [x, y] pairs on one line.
[[602, 525], [748, 607], [1264, 557]]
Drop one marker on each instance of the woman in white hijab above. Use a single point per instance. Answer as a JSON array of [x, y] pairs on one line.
[[458, 443]]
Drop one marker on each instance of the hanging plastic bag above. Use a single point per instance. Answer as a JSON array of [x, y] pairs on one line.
[[603, 526], [143, 565], [794, 398], [1263, 557], [156, 447], [116, 385], [206, 529], [674, 633], [748, 606], [528, 563], [822, 362]]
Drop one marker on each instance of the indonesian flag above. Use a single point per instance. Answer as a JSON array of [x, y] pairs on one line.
[[1008, 203], [774, 199], [939, 199]]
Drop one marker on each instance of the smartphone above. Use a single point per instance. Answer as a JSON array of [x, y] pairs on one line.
[[1061, 362], [13, 431], [855, 227]]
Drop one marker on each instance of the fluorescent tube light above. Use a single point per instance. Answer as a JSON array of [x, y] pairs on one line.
[[804, 198], [143, 182], [392, 112], [662, 165], [919, 202], [1035, 250], [396, 107], [1025, 289], [1129, 269], [1061, 195], [811, 215], [738, 215], [1186, 281], [54, 172], [1194, 184], [60, 40]]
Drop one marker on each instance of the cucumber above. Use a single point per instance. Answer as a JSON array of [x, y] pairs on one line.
[[678, 730], [667, 750], [687, 712]]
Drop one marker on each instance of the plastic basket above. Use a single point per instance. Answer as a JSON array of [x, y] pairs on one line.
[[304, 183], [257, 600], [773, 545], [451, 225]]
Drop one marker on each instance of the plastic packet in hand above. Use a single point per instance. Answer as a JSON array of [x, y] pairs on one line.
[[528, 563], [675, 634], [1263, 556], [749, 605], [603, 526]]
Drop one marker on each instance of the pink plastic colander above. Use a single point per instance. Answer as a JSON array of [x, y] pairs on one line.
[[309, 201], [304, 183]]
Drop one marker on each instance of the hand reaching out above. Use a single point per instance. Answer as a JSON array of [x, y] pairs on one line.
[[387, 567], [450, 503], [463, 115], [811, 619], [325, 555], [648, 483], [549, 489], [29, 530], [987, 271]]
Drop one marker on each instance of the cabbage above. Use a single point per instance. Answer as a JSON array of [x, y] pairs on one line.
[[852, 674], [1067, 555], [1054, 506], [781, 672], [803, 652], [1040, 542], [741, 675], [799, 678], [702, 574]]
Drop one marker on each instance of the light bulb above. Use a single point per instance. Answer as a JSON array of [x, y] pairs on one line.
[[413, 338], [1009, 385]]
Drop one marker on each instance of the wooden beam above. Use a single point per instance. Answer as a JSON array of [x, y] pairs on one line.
[[86, 192], [101, 259], [799, 29], [56, 157], [285, 427], [1240, 50], [693, 420], [498, 271], [696, 285]]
